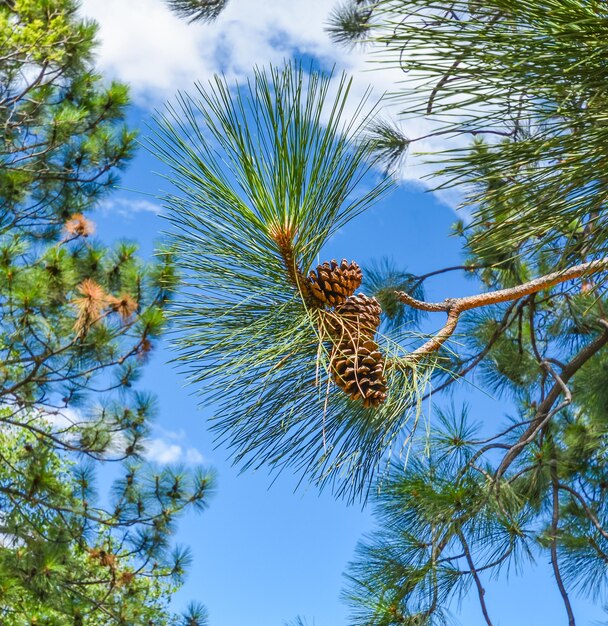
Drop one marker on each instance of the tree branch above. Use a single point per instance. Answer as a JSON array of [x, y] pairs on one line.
[[554, 556], [588, 511], [545, 411], [481, 592], [455, 306], [473, 361]]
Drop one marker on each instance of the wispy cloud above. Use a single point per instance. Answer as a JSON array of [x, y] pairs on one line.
[[165, 451], [128, 207]]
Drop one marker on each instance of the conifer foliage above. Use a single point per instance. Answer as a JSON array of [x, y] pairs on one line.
[[77, 323], [284, 345], [516, 89], [523, 79], [267, 172], [197, 10]]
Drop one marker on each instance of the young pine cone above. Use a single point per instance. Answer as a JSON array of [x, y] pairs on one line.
[[332, 283]]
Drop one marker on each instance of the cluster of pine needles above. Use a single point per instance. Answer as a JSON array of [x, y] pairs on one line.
[[290, 358]]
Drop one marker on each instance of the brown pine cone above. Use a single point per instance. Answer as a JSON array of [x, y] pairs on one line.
[[332, 283], [358, 317], [359, 371]]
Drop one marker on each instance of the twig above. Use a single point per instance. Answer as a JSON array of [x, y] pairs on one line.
[[545, 409], [590, 514], [446, 77], [554, 561], [480, 590], [454, 268]]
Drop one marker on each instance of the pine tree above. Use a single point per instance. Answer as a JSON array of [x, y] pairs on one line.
[[64, 560], [78, 321], [265, 172]]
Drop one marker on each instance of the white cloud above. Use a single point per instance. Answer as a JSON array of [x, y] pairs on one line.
[[147, 46], [193, 456], [159, 451], [128, 207], [164, 452]]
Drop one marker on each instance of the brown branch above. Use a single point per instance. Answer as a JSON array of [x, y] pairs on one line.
[[473, 361], [481, 592], [448, 74], [554, 556], [434, 343], [545, 409], [283, 237], [455, 306]]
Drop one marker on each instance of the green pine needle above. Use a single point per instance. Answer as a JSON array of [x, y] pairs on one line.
[[279, 155], [382, 280], [197, 10], [349, 22]]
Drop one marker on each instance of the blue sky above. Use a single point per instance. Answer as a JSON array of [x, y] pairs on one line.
[[265, 551], [262, 553]]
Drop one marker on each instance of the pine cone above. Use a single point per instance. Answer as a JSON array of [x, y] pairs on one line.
[[358, 316], [332, 283], [356, 364], [359, 371]]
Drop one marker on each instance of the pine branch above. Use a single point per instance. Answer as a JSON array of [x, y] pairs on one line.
[[588, 511], [553, 542], [350, 21], [545, 409], [473, 82], [266, 173], [481, 592], [197, 10], [454, 307]]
